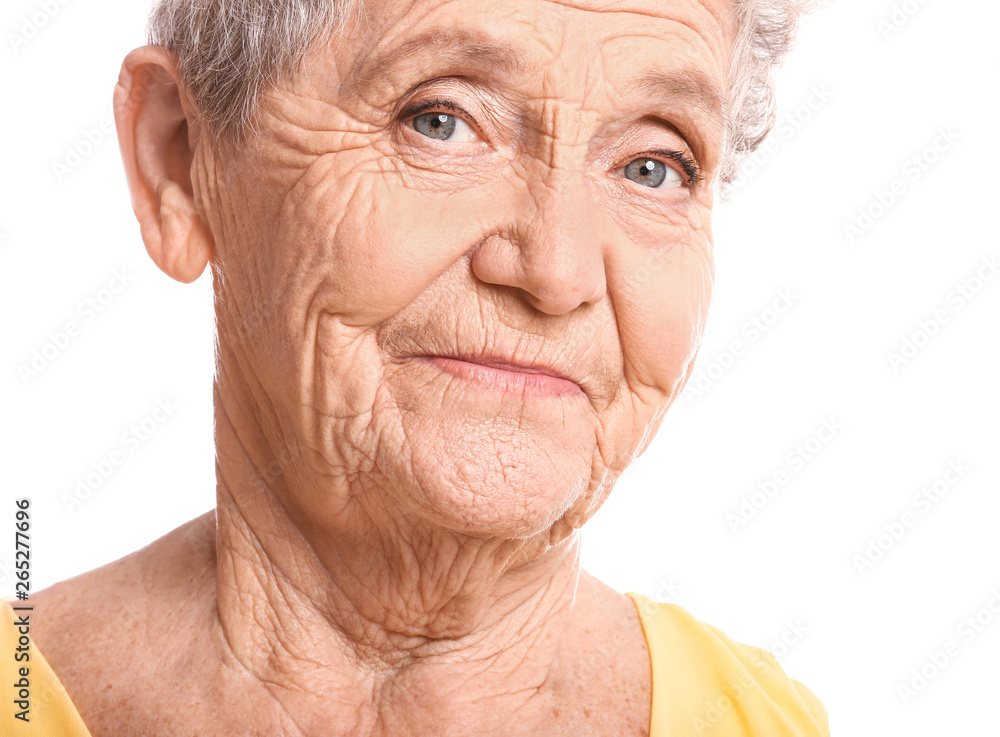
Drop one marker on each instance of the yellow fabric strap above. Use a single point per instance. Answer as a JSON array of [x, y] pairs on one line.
[[707, 685], [51, 713]]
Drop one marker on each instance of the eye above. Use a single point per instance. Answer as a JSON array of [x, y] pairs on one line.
[[444, 127], [653, 173]]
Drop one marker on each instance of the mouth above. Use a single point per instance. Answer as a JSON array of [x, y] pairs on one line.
[[503, 375]]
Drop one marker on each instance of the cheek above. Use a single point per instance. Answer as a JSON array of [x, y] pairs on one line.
[[353, 246], [365, 245], [665, 289], [661, 289]]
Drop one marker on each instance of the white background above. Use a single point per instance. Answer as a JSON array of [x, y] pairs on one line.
[[791, 570]]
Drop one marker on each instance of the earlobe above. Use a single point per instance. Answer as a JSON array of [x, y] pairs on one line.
[[157, 134]]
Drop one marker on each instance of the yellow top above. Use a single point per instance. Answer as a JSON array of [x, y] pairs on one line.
[[50, 713], [704, 684]]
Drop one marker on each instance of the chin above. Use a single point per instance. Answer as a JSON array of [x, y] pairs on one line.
[[504, 494]]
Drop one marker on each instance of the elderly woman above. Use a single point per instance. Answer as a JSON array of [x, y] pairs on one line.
[[462, 257]]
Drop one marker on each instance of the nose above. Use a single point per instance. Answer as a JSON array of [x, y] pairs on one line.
[[553, 247]]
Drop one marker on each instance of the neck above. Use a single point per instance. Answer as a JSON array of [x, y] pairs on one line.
[[372, 609]]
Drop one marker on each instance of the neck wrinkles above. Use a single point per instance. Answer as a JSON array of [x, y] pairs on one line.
[[376, 601]]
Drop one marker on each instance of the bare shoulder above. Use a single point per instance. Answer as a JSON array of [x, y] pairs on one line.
[[617, 604], [616, 659], [86, 627]]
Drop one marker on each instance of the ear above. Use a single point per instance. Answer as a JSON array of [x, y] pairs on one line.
[[158, 131]]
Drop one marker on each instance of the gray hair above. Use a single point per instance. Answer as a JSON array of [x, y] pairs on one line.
[[231, 51]]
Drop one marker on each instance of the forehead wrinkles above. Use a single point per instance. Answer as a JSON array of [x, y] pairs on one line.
[[549, 29], [569, 61], [708, 23]]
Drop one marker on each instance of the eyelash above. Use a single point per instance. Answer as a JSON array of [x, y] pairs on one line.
[[429, 106], [692, 172]]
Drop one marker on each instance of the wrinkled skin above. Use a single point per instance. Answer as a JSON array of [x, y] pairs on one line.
[[396, 549]]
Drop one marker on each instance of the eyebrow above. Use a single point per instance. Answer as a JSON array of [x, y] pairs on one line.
[[450, 47], [688, 85], [458, 46]]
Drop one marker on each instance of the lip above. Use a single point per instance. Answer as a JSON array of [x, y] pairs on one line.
[[504, 374]]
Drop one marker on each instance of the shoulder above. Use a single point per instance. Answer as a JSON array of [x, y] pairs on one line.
[[111, 631], [125, 599], [611, 678], [707, 685], [39, 700]]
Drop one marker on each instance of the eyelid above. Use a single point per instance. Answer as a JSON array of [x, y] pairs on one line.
[[685, 165], [413, 110]]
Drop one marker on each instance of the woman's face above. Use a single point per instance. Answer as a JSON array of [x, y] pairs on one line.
[[523, 179]]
